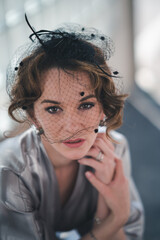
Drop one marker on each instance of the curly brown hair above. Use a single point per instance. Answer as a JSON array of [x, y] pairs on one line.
[[28, 87]]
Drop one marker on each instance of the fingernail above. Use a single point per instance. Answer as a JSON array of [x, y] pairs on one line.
[[88, 174]]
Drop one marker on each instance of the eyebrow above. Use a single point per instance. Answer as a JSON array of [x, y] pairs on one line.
[[50, 101], [87, 97], [55, 102]]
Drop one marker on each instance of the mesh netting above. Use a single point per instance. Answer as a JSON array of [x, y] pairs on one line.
[[74, 34], [68, 108]]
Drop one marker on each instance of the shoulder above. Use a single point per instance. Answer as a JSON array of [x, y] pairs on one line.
[[16, 185], [122, 151], [121, 143], [118, 137], [13, 151]]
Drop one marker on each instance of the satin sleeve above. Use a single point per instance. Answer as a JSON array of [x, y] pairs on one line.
[[134, 227], [18, 211]]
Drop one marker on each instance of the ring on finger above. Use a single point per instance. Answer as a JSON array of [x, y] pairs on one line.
[[100, 156]]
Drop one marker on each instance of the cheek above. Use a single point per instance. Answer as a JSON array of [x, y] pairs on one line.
[[41, 116], [92, 139]]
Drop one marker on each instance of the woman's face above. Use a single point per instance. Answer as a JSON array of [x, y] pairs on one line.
[[68, 112]]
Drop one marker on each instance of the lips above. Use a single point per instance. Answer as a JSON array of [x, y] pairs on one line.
[[74, 143]]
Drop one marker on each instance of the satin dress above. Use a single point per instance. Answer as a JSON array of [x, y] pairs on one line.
[[29, 196]]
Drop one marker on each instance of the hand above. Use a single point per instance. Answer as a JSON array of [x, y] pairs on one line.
[[116, 194], [104, 170]]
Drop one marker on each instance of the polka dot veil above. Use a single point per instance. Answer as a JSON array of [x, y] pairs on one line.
[[67, 107]]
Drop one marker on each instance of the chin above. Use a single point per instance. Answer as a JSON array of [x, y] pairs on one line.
[[75, 155]]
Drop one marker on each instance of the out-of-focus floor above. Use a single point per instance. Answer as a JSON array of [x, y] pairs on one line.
[[144, 140]]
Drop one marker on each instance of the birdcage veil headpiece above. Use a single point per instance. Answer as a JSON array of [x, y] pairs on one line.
[[84, 43], [68, 31]]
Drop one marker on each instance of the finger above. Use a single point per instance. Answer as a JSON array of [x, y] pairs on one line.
[[101, 144], [107, 140], [91, 163], [94, 152], [101, 187], [119, 171]]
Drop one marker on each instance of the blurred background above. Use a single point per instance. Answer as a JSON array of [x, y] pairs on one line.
[[135, 28]]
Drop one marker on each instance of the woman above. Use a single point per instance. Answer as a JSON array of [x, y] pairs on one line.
[[66, 174]]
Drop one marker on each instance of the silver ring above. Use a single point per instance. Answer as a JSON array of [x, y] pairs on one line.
[[100, 156]]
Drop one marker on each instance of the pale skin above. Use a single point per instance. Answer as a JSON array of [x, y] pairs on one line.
[[113, 201]]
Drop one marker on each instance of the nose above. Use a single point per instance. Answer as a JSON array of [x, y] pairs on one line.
[[73, 123]]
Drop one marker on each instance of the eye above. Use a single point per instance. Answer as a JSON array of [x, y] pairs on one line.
[[86, 106], [53, 109]]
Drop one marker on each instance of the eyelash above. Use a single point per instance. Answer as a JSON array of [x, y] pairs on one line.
[[83, 107], [53, 109]]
